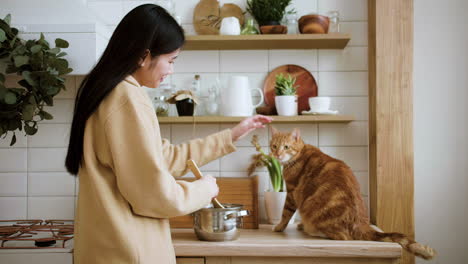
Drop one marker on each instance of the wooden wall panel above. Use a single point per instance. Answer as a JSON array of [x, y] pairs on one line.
[[391, 116]]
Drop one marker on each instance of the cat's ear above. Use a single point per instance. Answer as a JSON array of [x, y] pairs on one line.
[[273, 130], [296, 134]]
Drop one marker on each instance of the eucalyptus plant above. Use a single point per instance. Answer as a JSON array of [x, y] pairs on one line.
[[265, 11], [42, 71], [285, 85]]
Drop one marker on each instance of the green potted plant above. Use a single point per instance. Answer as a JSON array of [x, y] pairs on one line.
[[42, 69], [286, 98], [268, 14], [275, 197]]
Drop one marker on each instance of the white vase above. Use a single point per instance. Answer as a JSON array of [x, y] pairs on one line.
[[274, 204], [286, 105]]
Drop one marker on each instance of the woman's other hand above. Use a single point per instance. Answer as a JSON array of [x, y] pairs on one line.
[[211, 181], [248, 125]]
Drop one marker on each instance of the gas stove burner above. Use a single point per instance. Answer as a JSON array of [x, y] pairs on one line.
[[35, 234], [44, 242]]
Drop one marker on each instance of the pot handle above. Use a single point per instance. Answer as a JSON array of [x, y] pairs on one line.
[[237, 214]]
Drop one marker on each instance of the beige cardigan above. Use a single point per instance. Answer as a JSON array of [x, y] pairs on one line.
[[127, 189]]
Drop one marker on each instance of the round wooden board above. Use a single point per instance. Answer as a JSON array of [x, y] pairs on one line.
[[304, 79]]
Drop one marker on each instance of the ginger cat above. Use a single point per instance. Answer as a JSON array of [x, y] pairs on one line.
[[327, 195]]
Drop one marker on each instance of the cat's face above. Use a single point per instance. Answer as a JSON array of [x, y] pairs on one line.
[[285, 146]]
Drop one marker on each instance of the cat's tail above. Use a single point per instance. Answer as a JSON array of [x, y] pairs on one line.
[[423, 251]]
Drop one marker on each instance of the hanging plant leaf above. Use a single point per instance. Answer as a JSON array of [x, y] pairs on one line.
[[54, 50], [2, 35], [61, 43], [61, 54], [3, 92], [28, 112], [13, 140], [27, 76], [21, 60], [10, 98], [7, 19], [45, 115], [35, 49], [2, 78], [30, 130]]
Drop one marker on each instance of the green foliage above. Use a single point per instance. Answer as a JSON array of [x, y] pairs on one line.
[[42, 69], [268, 10], [271, 163], [285, 85]]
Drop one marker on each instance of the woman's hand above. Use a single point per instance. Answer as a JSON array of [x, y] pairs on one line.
[[211, 181], [248, 125]]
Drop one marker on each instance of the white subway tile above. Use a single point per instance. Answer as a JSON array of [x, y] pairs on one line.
[[185, 10], [350, 10], [110, 12], [343, 84], [70, 89], [182, 133], [244, 61], [165, 131], [262, 134], [304, 58], [189, 30], [13, 160], [355, 157], [348, 59], [77, 185], [239, 160], [51, 184], [51, 207], [303, 7], [47, 159], [363, 179], [13, 208], [308, 131], [358, 31], [351, 134], [62, 111], [197, 61], [21, 140], [50, 135], [13, 184], [355, 106]]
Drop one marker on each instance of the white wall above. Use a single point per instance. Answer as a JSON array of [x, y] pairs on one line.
[[441, 127], [34, 182]]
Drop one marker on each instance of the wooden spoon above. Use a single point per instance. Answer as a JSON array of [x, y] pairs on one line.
[[196, 171]]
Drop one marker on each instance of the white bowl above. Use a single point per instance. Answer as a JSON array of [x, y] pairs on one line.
[[319, 104]]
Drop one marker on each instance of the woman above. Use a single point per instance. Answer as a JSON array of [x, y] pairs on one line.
[[127, 187]]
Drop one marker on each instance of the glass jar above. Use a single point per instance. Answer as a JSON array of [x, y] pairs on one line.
[[334, 17], [291, 23], [161, 106], [211, 103], [249, 28]]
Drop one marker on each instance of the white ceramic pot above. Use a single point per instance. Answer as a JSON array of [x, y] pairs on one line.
[[274, 204], [286, 105]]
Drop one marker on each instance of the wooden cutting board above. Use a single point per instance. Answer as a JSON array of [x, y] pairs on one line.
[[304, 79], [231, 190]]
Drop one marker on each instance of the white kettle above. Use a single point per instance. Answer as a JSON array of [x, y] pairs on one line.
[[236, 97]]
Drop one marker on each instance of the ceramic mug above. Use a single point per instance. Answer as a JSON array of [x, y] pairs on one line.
[[230, 26], [319, 104]]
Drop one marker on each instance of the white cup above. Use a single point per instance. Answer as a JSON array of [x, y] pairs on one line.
[[230, 26], [319, 104]]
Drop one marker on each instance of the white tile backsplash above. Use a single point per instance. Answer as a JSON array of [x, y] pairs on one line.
[[51, 207], [13, 208], [34, 167], [13, 184], [244, 61], [46, 159], [13, 160], [51, 184], [347, 59], [21, 140]]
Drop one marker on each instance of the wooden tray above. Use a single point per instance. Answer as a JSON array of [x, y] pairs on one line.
[[304, 79], [231, 190]]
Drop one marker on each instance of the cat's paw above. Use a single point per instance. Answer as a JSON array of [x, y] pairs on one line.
[[279, 228], [300, 226]]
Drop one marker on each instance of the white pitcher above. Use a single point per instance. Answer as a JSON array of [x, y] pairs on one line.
[[236, 97]]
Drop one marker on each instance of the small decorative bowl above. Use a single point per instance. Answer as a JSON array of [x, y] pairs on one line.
[[274, 29], [314, 24]]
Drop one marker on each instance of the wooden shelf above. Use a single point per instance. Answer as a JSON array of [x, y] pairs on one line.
[[274, 41], [276, 119]]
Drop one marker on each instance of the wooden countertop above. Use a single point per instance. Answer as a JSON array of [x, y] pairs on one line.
[[290, 243]]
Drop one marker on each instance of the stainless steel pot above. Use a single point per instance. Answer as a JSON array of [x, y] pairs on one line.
[[219, 224]]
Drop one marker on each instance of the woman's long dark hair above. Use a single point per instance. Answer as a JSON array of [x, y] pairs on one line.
[[147, 27]]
